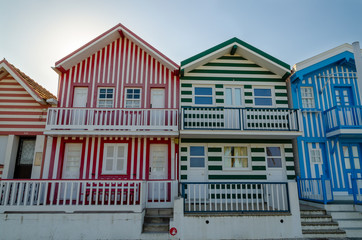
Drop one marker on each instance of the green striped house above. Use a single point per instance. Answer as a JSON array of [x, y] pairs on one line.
[[235, 120]]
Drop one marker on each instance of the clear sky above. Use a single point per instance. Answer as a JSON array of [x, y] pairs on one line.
[[37, 33]]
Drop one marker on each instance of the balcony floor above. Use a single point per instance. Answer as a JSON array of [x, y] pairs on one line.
[[237, 134]]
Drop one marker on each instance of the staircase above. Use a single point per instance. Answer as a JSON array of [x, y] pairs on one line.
[[316, 223], [157, 220]]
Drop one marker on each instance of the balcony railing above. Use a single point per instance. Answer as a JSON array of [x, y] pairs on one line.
[[347, 117], [315, 189], [85, 195], [235, 197], [220, 118], [95, 119]]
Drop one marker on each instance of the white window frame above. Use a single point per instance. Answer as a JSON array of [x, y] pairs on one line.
[[233, 96], [314, 154], [248, 149], [192, 156], [304, 97], [132, 99], [212, 95], [272, 91], [114, 171], [106, 99]]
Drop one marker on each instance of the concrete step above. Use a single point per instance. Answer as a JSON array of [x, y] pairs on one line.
[[315, 218], [353, 223], [353, 232], [159, 211], [345, 215], [314, 212], [339, 207], [335, 233], [319, 226], [155, 227], [157, 219]]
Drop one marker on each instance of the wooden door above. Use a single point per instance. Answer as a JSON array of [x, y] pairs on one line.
[[25, 157]]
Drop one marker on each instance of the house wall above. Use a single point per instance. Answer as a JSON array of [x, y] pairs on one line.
[[314, 135], [138, 156], [119, 65]]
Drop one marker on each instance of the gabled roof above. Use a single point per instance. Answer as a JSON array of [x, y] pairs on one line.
[[241, 48], [39, 93], [342, 53], [106, 38]]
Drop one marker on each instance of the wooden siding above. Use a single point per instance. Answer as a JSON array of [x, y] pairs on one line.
[[214, 159], [233, 70], [1, 171], [20, 114], [120, 64], [138, 154], [323, 82]]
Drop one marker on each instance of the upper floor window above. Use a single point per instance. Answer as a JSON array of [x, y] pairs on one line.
[[233, 96], [115, 158], [236, 158], [133, 98], [263, 97], [105, 97], [315, 155], [203, 95], [307, 97]]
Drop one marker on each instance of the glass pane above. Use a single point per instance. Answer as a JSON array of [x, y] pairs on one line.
[[274, 162], [120, 153], [347, 163], [262, 92], [137, 90], [129, 91], [357, 163], [119, 166], [203, 91], [263, 102], [228, 96], [245, 162], [227, 162], [109, 164], [102, 95], [227, 151], [336, 92], [197, 151], [102, 90], [110, 151], [345, 151], [197, 162], [110, 90], [237, 96], [273, 151], [27, 152], [354, 151], [203, 100]]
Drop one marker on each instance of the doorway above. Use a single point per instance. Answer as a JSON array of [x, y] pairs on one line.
[[24, 158]]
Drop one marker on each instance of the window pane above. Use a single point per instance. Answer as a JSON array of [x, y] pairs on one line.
[[228, 96], [237, 96], [347, 163], [273, 151], [120, 151], [197, 162], [274, 162], [197, 151], [119, 166], [203, 91], [109, 164], [357, 163], [110, 150], [203, 100], [262, 92], [355, 151], [227, 162], [137, 90], [263, 102], [345, 151]]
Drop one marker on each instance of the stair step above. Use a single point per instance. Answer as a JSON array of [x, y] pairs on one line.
[[155, 227], [159, 211], [346, 215], [324, 233], [315, 218], [319, 225], [353, 232], [157, 219], [314, 212], [357, 223]]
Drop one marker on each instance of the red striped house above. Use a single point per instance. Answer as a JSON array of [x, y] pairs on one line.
[[117, 115], [23, 113]]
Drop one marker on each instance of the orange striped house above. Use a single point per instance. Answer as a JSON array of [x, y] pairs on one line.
[[23, 111]]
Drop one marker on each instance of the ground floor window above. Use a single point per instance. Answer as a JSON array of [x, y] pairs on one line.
[[236, 157], [114, 158]]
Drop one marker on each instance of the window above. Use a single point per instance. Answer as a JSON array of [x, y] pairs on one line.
[[263, 97], [133, 98], [236, 157], [315, 155], [307, 97], [274, 157], [105, 97], [197, 156], [233, 96], [114, 159], [203, 95]]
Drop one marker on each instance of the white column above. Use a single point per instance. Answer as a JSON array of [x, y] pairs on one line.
[[358, 61], [48, 152], [10, 157], [38, 157]]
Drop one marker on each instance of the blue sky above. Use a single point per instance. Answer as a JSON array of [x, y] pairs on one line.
[[35, 34]]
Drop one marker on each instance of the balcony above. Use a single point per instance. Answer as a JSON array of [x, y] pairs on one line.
[[344, 121], [240, 122], [112, 122]]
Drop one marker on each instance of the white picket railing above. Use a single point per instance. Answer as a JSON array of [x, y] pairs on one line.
[[112, 119], [315, 189], [84, 195], [343, 117], [219, 118], [357, 190], [235, 197]]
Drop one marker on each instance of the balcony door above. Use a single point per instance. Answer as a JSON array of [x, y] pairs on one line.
[[352, 163], [344, 99], [158, 170], [79, 101], [158, 102], [71, 166]]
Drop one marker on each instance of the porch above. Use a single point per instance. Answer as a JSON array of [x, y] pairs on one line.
[[344, 121], [109, 121], [85, 195], [237, 122]]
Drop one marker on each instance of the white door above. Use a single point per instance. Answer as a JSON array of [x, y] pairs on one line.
[[158, 102], [158, 171], [79, 101], [275, 165], [197, 173], [71, 170]]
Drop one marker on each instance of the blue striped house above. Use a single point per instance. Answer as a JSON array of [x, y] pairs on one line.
[[325, 88]]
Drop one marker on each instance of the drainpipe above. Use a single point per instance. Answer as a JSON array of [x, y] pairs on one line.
[[358, 61]]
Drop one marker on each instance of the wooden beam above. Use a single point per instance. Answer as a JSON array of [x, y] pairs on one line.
[[233, 50]]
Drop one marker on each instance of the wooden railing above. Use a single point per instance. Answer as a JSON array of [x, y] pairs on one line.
[[220, 118], [343, 117], [315, 189], [112, 119], [235, 197], [84, 195]]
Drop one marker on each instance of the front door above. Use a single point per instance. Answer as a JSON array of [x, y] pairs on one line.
[[197, 173], [79, 101], [275, 165], [24, 159], [158, 171], [72, 158], [352, 163], [158, 105]]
